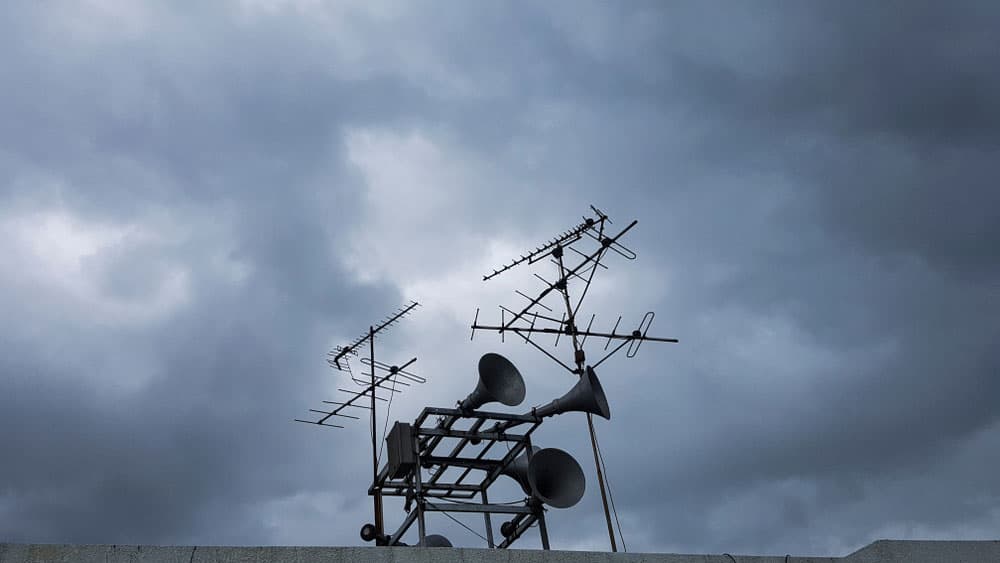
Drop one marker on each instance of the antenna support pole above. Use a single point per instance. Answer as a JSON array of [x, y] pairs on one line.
[[580, 357], [523, 323], [600, 481], [376, 493]]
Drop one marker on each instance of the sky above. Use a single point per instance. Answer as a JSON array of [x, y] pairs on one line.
[[199, 199]]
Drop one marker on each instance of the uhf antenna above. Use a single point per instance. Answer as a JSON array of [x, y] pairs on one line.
[[537, 317], [340, 353], [539, 252], [390, 378]]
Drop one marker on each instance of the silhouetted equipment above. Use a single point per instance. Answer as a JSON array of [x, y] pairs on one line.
[[399, 444], [447, 458], [518, 469], [455, 476], [550, 475], [537, 318], [499, 381], [430, 540], [368, 532], [434, 540], [586, 395], [340, 353], [395, 377]]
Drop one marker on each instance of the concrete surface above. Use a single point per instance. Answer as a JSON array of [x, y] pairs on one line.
[[889, 551]]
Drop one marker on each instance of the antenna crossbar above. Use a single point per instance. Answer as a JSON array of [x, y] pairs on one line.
[[338, 353], [561, 283], [571, 332], [540, 252], [367, 392]]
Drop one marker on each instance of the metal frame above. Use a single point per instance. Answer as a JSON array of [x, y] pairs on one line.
[[438, 493]]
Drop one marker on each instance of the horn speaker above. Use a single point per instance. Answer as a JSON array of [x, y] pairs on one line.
[[499, 381], [434, 540], [586, 396], [551, 475]]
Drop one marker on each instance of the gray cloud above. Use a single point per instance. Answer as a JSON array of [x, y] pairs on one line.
[[199, 202]]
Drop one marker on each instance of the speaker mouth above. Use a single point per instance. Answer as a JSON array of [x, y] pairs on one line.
[[599, 397], [502, 379], [434, 540], [556, 478]]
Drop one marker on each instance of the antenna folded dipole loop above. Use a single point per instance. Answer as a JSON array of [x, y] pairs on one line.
[[639, 335]]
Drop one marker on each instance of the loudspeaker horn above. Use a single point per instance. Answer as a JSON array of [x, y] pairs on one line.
[[434, 540], [586, 396], [551, 475], [518, 470], [499, 381]]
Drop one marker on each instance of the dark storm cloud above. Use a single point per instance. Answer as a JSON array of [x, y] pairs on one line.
[[177, 429], [875, 238], [814, 185]]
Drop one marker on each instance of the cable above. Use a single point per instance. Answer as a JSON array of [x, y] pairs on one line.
[[607, 481], [462, 524], [387, 409]]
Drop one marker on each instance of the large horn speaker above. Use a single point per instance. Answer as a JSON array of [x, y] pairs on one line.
[[551, 476], [518, 470], [499, 381], [434, 540], [586, 396]]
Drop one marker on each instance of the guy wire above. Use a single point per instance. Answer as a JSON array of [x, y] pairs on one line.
[[607, 481], [462, 524], [387, 409]]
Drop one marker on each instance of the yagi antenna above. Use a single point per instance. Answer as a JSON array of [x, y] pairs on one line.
[[540, 252], [339, 353], [532, 320], [577, 254], [381, 377], [394, 376]]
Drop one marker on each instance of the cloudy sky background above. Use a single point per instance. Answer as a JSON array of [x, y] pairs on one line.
[[198, 200]]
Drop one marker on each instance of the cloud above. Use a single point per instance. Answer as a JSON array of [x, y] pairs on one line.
[[199, 202]]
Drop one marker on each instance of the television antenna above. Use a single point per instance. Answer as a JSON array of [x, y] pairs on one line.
[[537, 317], [389, 379]]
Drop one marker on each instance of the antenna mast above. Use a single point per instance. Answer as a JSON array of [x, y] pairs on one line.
[[395, 376], [536, 318]]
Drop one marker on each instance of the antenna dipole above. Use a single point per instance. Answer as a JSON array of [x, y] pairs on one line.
[[394, 376], [539, 252], [340, 352], [531, 320]]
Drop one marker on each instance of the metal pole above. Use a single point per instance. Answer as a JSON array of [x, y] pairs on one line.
[[419, 498], [376, 492], [580, 358], [600, 481], [489, 525], [542, 530]]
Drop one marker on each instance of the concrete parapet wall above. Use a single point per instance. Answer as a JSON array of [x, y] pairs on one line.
[[881, 551], [927, 551]]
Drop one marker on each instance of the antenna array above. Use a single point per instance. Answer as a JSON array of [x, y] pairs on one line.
[[381, 377], [547, 476], [537, 318]]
